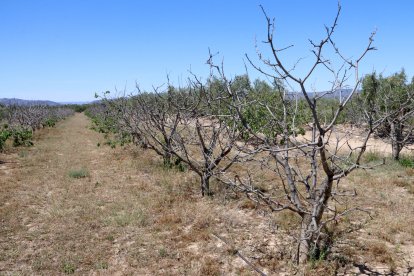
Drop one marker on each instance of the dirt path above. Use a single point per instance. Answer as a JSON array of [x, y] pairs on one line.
[[52, 222]]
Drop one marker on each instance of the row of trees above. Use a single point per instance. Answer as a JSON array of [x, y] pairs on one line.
[[392, 98], [19, 122], [209, 126]]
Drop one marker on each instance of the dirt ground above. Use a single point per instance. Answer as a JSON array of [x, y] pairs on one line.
[[70, 205], [127, 216]]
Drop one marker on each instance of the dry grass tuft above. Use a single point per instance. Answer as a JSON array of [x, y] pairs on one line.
[[79, 173]]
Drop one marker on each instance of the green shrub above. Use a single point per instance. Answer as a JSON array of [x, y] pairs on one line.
[[50, 122], [22, 137], [407, 162], [4, 135], [81, 173]]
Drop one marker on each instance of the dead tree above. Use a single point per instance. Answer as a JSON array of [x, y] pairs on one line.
[[155, 121], [309, 167], [19, 122], [207, 132]]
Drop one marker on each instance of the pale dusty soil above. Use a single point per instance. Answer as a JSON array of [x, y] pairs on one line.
[[132, 217], [345, 136]]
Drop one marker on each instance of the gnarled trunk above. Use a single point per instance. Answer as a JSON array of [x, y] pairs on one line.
[[167, 159], [205, 185], [305, 241], [396, 139], [310, 226]]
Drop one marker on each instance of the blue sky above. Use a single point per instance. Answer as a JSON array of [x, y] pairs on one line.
[[67, 50]]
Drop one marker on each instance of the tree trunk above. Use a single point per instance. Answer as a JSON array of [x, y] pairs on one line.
[[305, 241], [205, 185], [396, 136], [309, 231], [167, 160]]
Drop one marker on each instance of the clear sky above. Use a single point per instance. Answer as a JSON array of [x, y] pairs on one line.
[[66, 50]]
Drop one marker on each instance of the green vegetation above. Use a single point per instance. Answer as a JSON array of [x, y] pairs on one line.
[[19, 123], [390, 101], [373, 156], [78, 173], [22, 137], [5, 133], [406, 161], [68, 268]]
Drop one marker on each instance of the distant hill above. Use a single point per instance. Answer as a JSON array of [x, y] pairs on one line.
[[77, 103], [14, 101]]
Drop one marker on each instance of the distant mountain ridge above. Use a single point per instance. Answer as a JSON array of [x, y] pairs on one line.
[[336, 94], [14, 101]]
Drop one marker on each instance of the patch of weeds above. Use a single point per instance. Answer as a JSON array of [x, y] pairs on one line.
[[110, 238], [162, 252], [102, 265], [42, 262], [407, 162], [97, 184], [68, 268], [317, 255], [80, 173], [373, 156], [9, 253], [23, 154], [111, 143], [174, 164], [137, 217], [37, 264], [181, 167]]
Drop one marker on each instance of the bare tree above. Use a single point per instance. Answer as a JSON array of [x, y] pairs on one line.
[[151, 119], [19, 122], [158, 122], [309, 167], [208, 130]]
